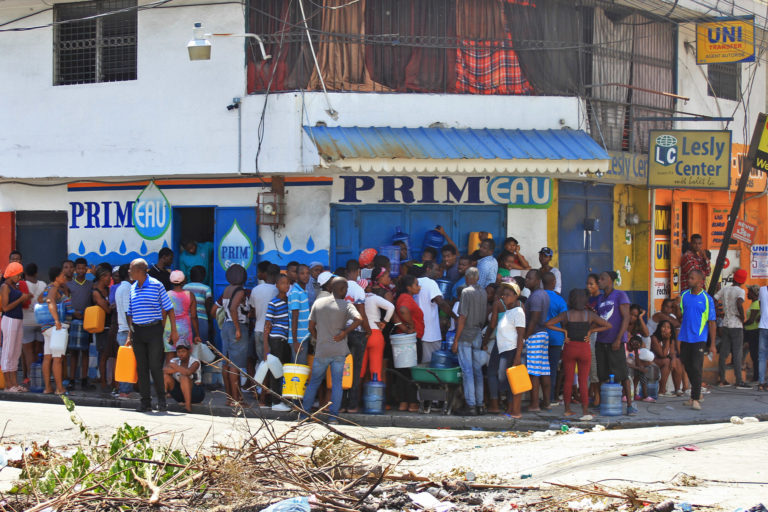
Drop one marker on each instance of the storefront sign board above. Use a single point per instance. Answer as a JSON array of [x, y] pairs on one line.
[[690, 159], [744, 231], [626, 167], [726, 40], [660, 288], [513, 191], [662, 254], [759, 261]]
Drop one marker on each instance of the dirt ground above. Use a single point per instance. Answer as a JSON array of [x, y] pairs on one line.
[[725, 469]]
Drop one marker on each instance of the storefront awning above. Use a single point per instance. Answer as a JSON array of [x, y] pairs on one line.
[[465, 150]]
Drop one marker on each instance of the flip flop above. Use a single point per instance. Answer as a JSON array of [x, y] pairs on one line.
[[587, 417]]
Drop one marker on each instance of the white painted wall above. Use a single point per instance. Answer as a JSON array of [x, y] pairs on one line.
[[692, 82], [529, 227], [173, 119]]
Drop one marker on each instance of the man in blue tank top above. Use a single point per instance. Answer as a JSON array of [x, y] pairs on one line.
[[697, 326]]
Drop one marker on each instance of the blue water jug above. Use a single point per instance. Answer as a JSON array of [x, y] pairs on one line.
[[392, 252], [444, 358], [400, 236], [433, 238], [446, 287], [36, 377], [374, 395], [610, 398]]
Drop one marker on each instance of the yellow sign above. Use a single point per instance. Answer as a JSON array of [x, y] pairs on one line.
[[690, 159], [726, 40], [757, 179], [662, 254], [761, 157]]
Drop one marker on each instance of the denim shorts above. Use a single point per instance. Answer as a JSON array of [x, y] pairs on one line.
[[79, 339], [236, 350]]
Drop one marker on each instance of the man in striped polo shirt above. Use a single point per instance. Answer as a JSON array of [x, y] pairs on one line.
[[148, 307], [298, 305]]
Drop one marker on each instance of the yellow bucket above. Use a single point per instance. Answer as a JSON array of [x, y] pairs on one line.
[[296, 377], [348, 376]]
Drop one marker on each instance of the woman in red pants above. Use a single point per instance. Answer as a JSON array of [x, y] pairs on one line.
[[374, 305], [579, 323]]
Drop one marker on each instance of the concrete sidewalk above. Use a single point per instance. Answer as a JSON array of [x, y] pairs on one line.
[[718, 406]]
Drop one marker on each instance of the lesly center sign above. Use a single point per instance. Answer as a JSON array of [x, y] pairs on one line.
[[515, 192], [690, 159]]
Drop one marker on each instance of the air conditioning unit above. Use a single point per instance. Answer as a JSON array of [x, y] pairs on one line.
[[271, 209]]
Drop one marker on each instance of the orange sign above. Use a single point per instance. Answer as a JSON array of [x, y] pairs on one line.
[[744, 232], [757, 179]]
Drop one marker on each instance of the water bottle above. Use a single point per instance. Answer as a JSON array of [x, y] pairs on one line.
[[610, 398]]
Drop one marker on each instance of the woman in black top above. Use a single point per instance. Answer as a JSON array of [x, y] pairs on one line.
[[578, 325]]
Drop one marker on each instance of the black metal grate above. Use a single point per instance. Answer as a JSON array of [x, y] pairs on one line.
[[91, 45], [724, 81]]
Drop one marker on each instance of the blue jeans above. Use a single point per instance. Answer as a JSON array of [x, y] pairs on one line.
[[123, 387], [762, 355], [506, 359], [471, 371], [319, 367], [555, 352]]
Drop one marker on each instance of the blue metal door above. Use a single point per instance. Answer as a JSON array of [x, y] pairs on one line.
[[581, 250], [234, 238], [354, 228]]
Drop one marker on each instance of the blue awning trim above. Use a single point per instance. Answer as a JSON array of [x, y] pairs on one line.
[[385, 142]]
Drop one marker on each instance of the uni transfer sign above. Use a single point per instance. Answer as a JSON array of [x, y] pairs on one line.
[[726, 40], [689, 159]]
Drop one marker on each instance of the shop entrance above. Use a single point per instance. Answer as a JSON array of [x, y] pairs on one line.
[[354, 228], [41, 236], [585, 231], [193, 223]]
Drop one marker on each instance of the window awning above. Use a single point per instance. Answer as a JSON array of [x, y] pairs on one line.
[[463, 150]]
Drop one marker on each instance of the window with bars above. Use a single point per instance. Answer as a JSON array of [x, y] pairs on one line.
[[724, 81], [95, 42]]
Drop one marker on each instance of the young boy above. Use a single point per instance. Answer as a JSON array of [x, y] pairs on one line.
[[181, 377], [276, 336], [638, 360]]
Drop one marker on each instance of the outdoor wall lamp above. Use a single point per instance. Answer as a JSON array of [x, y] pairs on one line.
[[199, 46]]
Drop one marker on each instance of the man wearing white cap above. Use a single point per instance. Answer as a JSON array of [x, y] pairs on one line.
[[313, 288]]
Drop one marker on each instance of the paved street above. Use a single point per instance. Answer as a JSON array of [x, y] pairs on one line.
[[643, 458], [718, 406]]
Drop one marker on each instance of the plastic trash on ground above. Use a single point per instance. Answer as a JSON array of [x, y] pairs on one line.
[[750, 419], [598, 428], [297, 504], [428, 502]]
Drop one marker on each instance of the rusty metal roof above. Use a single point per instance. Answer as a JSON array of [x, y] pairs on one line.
[[385, 142]]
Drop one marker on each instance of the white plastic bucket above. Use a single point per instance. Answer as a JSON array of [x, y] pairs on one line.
[[261, 372], [59, 339], [404, 352]]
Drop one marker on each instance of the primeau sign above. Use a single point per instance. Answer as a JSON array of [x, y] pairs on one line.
[[514, 191]]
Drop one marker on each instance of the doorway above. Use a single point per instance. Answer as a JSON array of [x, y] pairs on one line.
[[585, 232], [194, 223], [41, 237]]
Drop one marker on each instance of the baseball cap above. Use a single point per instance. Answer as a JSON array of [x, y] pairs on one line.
[[316, 264], [177, 276], [740, 276], [324, 277], [182, 343], [546, 251]]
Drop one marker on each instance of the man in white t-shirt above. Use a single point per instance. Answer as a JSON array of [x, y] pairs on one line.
[[732, 326], [258, 302], [357, 339], [430, 301]]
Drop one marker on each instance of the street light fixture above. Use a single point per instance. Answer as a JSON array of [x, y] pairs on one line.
[[199, 46]]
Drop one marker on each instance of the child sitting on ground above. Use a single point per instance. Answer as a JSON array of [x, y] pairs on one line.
[[640, 361]]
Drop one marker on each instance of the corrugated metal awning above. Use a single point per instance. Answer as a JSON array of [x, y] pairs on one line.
[[464, 150]]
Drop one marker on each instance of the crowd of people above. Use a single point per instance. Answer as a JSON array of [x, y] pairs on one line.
[[493, 311]]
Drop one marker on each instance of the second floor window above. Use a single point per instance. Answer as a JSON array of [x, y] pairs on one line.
[[94, 42], [724, 81]]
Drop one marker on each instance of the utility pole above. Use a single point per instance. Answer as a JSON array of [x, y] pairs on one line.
[[748, 163]]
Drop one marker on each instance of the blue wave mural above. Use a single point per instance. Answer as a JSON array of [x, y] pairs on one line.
[[306, 254]]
